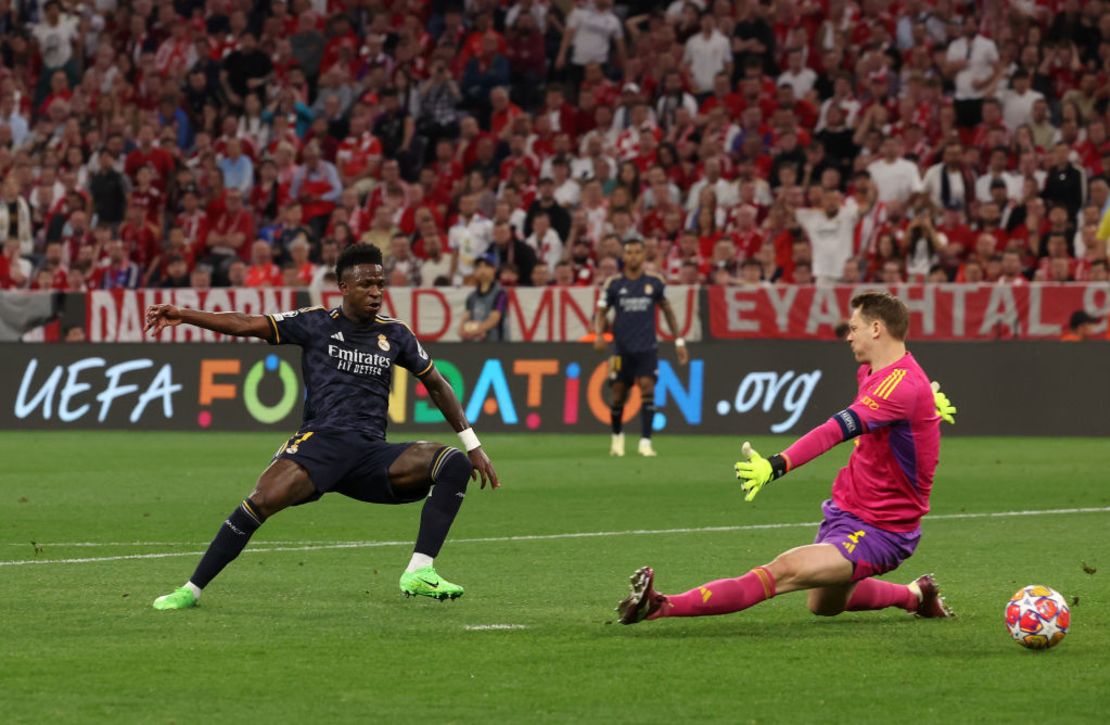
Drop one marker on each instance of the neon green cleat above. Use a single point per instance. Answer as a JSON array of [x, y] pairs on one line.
[[181, 598], [425, 582]]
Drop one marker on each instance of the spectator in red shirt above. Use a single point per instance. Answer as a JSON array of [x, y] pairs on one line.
[[262, 271], [527, 60], [147, 154], [229, 235]]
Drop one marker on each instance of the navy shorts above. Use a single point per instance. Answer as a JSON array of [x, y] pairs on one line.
[[628, 366], [349, 463]]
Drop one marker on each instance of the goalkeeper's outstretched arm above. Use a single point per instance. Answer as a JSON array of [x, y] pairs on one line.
[[756, 471]]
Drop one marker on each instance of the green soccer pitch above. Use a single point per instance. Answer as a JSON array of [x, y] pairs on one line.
[[308, 624]]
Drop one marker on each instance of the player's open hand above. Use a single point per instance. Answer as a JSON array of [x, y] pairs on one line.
[[945, 409], [159, 317], [753, 470], [483, 469]]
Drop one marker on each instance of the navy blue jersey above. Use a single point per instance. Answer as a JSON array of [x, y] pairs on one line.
[[348, 368], [633, 301]]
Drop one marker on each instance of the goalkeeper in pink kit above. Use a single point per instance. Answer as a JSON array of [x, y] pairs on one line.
[[872, 522]]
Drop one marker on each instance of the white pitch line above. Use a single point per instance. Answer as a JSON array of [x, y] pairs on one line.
[[493, 627], [109, 544], [264, 549]]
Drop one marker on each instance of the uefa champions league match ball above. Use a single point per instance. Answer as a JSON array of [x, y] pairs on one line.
[[1037, 617]]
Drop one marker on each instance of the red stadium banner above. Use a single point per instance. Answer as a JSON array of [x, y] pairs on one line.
[[937, 312], [117, 315], [550, 314]]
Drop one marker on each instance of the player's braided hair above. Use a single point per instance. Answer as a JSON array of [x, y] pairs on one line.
[[355, 255], [884, 306]]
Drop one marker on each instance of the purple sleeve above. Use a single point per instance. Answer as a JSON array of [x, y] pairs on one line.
[[502, 303]]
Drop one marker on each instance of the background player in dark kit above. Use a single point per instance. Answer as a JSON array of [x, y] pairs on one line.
[[633, 294]]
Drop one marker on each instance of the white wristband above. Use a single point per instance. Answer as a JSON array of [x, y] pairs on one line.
[[679, 342], [469, 439]]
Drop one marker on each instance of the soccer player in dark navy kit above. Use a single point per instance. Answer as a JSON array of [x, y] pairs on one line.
[[347, 361], [633, 296]]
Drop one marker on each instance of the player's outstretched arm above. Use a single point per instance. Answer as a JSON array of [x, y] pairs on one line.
[[680, 350], [159, 317], [756, 471], [443, 396]]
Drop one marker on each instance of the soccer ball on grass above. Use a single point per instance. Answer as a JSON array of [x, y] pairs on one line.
[[1037, 617]]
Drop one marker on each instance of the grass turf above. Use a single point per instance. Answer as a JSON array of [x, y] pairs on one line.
[[323, 635]]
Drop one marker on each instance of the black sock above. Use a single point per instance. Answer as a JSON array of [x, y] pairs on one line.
[[230, 540], [616, 414], [450, 474], [647, 417]]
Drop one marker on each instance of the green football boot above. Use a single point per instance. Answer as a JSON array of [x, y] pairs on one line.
[[425, 582], [181, 598]]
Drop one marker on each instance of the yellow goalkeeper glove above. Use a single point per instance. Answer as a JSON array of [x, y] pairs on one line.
[[756, 471], [945, 409]]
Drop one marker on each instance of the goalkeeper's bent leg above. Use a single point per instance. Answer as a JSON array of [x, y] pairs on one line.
[[871, 594]]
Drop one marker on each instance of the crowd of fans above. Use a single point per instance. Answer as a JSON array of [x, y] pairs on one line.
[[191, 143]]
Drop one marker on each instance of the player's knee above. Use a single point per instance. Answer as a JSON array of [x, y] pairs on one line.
[[271, 496], [821, 607], [265, 503], [784, 568], [451, 466], [462, 460]]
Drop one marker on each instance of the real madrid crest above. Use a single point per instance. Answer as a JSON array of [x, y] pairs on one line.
[[383, 343], [647, 289]]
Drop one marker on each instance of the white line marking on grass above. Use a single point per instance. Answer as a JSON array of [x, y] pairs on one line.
[[108, 544], [269, 547], [493, 627]]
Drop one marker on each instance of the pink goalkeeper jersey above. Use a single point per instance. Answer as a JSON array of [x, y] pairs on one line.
[[890, 473]]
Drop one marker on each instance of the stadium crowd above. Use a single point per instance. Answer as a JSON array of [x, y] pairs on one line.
[[192, 143]]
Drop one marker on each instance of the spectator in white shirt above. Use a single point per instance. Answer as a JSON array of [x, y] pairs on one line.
[[973, 62], [726, 192], [55, 36], [844, 97], [14, 120], [707, 54], [831, 233], [435, 269], [1017, 101], [545, 242], [538, 11], [896, 178], [470, 236], [796, 75], [329, 255], [996, 171], [567, 191], [947, 183], [593, 31]]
